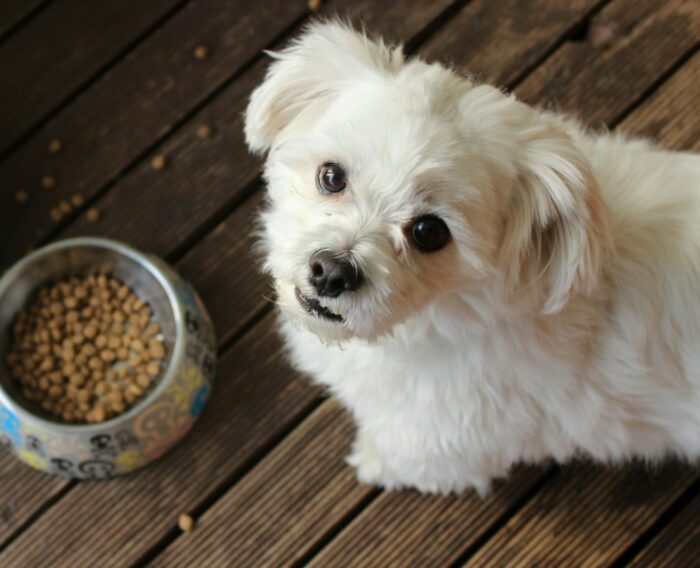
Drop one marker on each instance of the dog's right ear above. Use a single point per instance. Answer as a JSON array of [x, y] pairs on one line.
[[311, 71]]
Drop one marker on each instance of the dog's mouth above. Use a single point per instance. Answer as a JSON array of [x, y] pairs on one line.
[[314, 307]]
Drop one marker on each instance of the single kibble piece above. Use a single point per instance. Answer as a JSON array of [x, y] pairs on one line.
[[158, 162], [93, 215], [55, 146], [201, 51], [204, 131], [77, 200], [66, 207], [185, 522], [48, 182], [21, 197], [314, 5], [56, 214]]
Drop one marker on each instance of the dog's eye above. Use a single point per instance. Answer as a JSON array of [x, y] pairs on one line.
[[331, 178], [430, 233]]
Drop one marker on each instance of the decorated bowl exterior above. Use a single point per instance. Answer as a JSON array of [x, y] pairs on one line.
[[149, 429]]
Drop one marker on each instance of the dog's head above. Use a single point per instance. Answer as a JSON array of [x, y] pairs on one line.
[[394, 183]]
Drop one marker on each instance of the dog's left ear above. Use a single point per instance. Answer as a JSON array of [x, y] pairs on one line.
[[310, 72], [556, 231]]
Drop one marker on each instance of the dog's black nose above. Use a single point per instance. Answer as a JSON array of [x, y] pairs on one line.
[[331, 276]]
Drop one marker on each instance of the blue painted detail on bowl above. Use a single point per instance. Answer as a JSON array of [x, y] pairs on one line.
[[9, 425], [199, 401], [188, 297]]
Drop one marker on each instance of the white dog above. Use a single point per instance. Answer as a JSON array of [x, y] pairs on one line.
[[481, 283]]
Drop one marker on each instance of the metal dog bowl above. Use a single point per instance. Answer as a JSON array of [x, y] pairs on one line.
[[153, 425]]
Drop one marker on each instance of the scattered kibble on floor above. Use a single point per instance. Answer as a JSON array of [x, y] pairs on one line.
[[56, 214], [21, 197], [93, 215], [48, 182], [55, 146], [314, 5], [185, 522], [204, 131], [77, 200], [65, 207], [201, 51], [85, 348], [158, 162]]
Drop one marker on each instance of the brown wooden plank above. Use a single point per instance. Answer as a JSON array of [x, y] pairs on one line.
[[59, 50], [14, 11], [678, 544], [138, 101], [273, 517], [498, 41], [405, 528], [670, 114], [220, 266], [22, 492], [587, 516], [256, 398], [597, 80]]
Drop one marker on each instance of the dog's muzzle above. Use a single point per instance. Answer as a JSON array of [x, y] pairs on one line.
[[314, 307]]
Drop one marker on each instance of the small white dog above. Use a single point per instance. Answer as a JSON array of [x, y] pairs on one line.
[[481, 283]]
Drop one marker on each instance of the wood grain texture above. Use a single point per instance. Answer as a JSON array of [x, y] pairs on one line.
[[13, 12], [677, 545], [274, 515], [587, 516], [597, 81], [406, 528], [256, 398], [136, 103], [670, 115], [499, 41], [22, 493], [59, 50]]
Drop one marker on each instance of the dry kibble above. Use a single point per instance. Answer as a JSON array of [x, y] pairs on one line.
[[204, 131], [65, 207], [153, 368], [185, 522], [93, 215], [56, 214], [314, 5], [157, 350], [201, 51], [158, 162], [48, 182], [77, 200], [55, 146], [85, 350], [21, 197]]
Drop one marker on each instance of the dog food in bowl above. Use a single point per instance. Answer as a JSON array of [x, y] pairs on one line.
[[86, 348], [111, 363]]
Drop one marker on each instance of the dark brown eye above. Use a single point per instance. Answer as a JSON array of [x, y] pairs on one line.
[[331, 178], [430, 233]]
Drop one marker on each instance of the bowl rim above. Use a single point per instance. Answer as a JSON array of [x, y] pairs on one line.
[[146, 262]]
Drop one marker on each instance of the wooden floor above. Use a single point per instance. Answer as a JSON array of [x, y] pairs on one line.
[[263, 472]]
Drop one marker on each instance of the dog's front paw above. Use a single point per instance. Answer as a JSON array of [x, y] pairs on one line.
[[369, 465]]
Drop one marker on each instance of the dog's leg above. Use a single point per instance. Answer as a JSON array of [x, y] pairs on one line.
[[370, 465]]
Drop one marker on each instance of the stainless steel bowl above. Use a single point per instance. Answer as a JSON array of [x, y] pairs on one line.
[[151, 427]]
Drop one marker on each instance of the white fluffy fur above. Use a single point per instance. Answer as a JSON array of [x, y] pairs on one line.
[[563, 317]]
